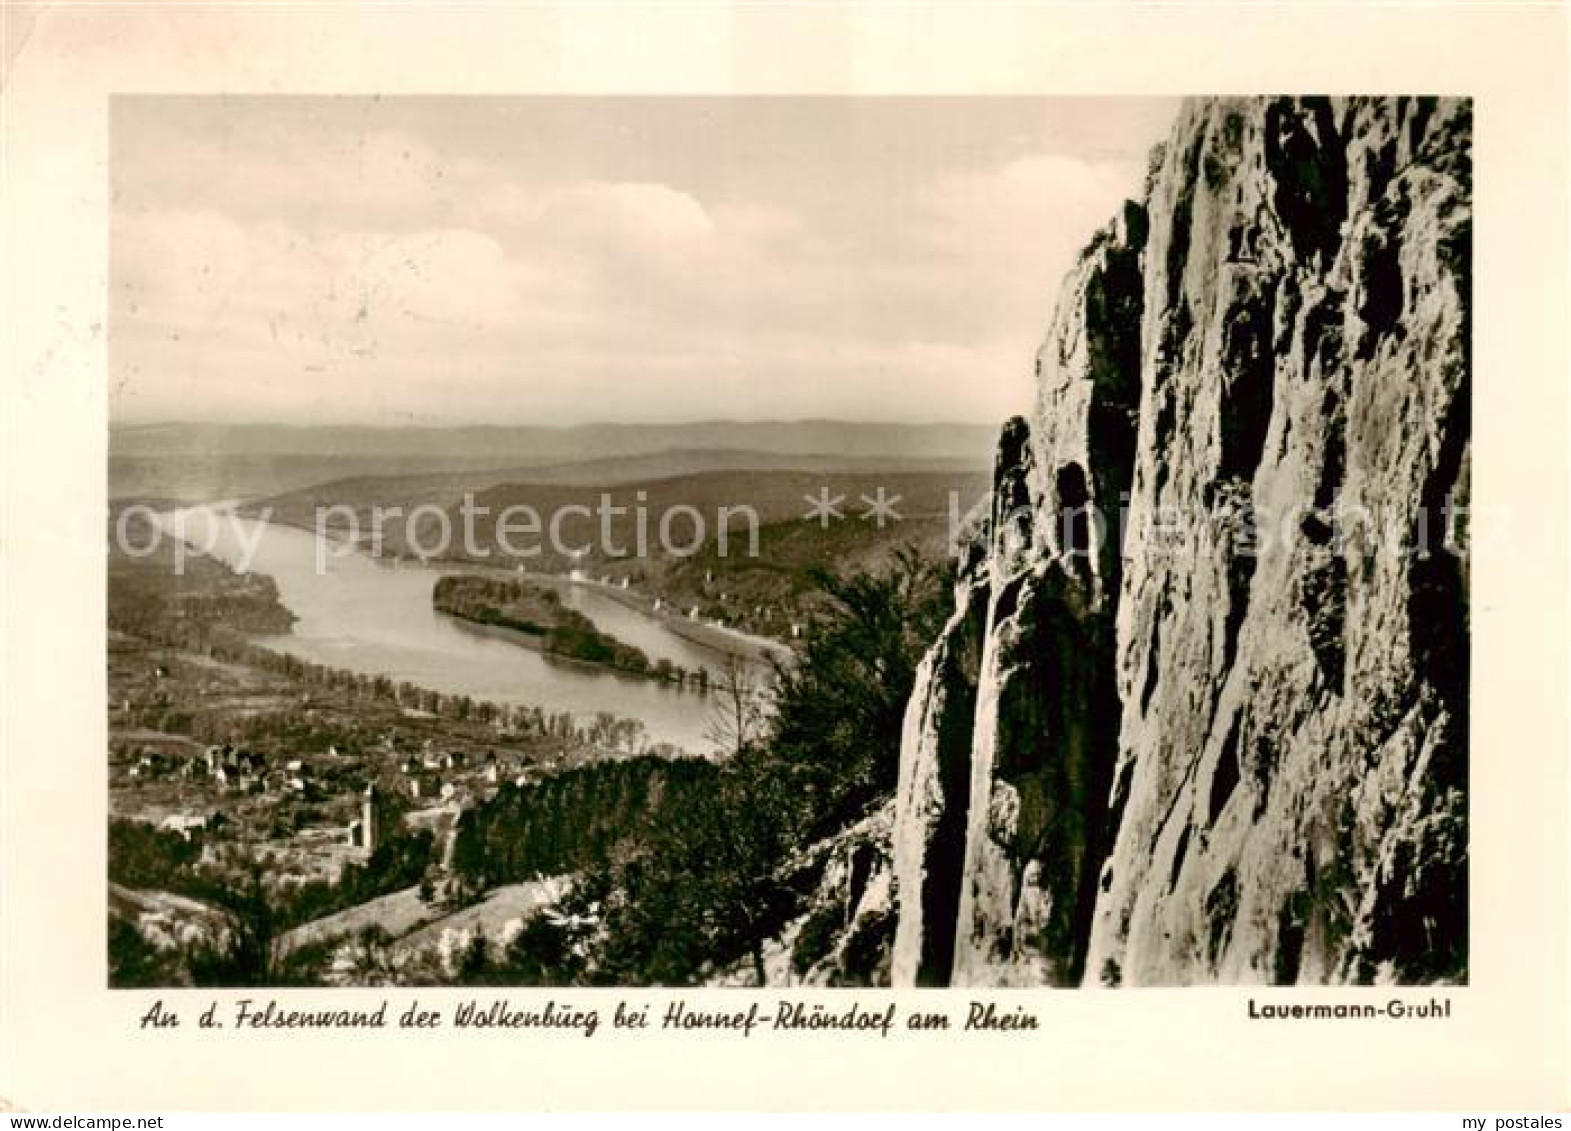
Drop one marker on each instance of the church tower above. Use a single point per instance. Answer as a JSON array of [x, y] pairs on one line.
[[371, 818]]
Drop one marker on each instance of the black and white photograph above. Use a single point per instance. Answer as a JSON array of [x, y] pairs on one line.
[[854, 557], [764, 541]]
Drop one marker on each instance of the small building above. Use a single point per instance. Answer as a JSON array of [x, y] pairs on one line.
[[184, 823], [418, 787]]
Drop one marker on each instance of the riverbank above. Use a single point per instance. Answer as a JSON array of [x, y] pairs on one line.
[[535, 615], [706, 634], [718, 638], [373, 618], [721, 639]]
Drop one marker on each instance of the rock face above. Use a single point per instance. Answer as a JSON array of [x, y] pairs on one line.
[[1201, 712], [845, 937], [843, 932]]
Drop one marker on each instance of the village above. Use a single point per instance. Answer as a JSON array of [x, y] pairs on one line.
[[252, 762]]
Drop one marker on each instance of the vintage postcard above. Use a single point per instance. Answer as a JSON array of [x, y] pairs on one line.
[[1021, 578]]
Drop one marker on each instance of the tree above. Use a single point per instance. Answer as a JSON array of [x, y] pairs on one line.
[[739, 706], [840, 707], [245, 951], [545, 952], [705, 889], [712, 884], [135, 963], [474, 964]]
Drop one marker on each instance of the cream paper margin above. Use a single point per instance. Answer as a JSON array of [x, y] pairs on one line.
[[71, 1044]]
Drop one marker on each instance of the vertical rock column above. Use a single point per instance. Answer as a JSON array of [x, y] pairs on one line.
[[1012, 734]]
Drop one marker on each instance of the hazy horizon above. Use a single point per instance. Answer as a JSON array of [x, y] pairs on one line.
[[441, 262], [607, 422]]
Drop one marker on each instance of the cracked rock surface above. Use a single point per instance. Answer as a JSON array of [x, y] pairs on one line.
[[1200, 714]]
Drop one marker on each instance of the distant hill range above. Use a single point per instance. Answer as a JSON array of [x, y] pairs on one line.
[[209, 461]]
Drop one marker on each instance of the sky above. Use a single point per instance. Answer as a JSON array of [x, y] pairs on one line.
[[557, 261]]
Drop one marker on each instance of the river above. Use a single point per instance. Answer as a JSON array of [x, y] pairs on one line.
[[375, 617]]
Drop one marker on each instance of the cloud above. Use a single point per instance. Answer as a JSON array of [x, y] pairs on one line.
[[206, 275], [372, 275]]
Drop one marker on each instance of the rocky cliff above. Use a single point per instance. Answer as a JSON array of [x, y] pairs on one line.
[[1200, 714]]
